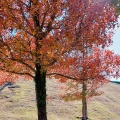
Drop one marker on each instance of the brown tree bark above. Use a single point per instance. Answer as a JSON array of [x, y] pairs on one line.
[[84, 102], [40, 88]]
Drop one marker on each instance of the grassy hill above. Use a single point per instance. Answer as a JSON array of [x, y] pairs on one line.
[[19, 103]]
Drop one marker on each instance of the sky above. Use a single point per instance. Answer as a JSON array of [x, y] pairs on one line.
[[116, 44], [116, 41]]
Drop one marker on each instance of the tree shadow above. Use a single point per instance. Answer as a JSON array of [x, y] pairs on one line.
[[80, 118]]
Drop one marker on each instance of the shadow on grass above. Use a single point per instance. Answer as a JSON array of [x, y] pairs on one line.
[[80, 118]]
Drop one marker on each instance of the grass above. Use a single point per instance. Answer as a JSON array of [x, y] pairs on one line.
[[19, 104]]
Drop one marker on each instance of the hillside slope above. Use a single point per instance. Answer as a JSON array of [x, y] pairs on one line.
[[19, 103]]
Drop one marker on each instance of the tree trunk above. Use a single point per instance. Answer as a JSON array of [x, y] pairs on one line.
[[84, 102], [40, 88]]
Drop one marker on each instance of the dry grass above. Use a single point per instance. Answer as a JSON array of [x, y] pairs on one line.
[[20, 104]]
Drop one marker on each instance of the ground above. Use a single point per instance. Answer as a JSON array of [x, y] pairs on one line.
[[19, 103]]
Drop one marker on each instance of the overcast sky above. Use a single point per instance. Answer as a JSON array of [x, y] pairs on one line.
[[116, 43]]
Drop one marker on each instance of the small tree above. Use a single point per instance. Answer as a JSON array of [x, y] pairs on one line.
[[89, 72], [88, 64]]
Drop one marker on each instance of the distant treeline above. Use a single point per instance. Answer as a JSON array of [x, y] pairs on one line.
[[117, 82]]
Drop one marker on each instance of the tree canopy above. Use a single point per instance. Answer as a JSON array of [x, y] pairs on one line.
[[47, 37]]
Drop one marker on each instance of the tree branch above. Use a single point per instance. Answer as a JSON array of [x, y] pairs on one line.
[[54, 60], [59, 74], [22, 62]]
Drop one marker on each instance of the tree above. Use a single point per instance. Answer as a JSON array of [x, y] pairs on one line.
[[89, 72], [36, 36], [28, 30], [116, 3], [88, 64]]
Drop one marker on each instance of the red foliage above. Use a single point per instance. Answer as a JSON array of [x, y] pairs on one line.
[[56, 34]]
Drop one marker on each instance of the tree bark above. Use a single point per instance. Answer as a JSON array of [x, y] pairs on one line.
[[40, 88], [84, 102]]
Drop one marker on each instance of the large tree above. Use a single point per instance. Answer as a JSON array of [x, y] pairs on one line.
[[38, 34], [28, 44]]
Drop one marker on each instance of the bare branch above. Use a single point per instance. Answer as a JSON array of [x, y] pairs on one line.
[[62, 75], [27, 6], [17, 73]]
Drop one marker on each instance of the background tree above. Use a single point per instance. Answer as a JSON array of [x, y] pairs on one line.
[[89, 71], [87, 64], [116, 3]]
